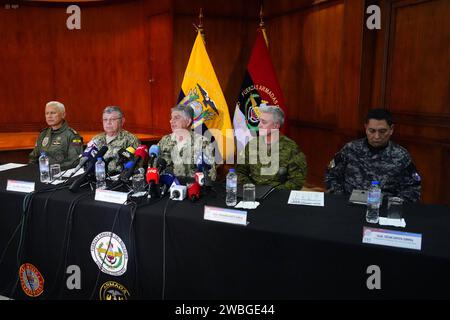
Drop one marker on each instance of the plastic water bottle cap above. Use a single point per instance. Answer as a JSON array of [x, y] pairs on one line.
[[42, 153], [99, 158], [375, 182], [231, 169]]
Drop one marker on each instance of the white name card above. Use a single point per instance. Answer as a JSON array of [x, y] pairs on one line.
[[225, 215], [20, 186], [10, 166], [392, 238], [306, 198], [111, 196]]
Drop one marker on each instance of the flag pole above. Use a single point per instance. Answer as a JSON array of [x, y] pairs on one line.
[[262, 25]]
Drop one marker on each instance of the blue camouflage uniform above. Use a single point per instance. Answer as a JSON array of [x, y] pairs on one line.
[[358, 163]]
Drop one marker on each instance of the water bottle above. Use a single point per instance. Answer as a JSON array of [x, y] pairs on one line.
[[44, 168], [231, 198], [100, 174], [373, 203]]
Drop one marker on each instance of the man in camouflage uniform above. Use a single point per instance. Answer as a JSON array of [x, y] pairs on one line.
[[61, 143], [374, 158], [114, 137], [252, 166], [183, 149]]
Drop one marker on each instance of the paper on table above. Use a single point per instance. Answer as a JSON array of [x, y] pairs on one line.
[[10, 166], [58, 182], [392, 222], [307, 198], [69, 172], [247, 204]]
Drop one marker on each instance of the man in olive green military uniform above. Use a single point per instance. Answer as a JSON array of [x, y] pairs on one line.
[[114, 137], [61, 143], [271, 158], [183, 149]]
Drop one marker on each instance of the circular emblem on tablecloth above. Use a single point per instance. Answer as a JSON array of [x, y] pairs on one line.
[[109, 253], [45, 141], [112, 290], [31, 280]]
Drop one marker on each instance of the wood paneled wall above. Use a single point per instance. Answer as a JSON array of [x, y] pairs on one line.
[[332, 69], [121, 56]]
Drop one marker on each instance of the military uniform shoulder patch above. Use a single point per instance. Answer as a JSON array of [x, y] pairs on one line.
[[331, 165], [45, 141], [416, 177], [74, 131]]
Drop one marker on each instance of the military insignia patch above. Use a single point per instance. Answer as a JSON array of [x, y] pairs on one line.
[[45, 141], [416, 177], [76, 142], [109, 253], [31, 280], [112, 290], [331, 165], [57, 141]]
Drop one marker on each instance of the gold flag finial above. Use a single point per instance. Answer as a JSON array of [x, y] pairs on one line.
[[262, 26], [261, 17], [199, 27]]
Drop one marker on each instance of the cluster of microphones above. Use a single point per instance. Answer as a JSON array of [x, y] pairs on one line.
[[160, 179]]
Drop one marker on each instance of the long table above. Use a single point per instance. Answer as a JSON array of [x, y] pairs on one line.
[[285, 252]]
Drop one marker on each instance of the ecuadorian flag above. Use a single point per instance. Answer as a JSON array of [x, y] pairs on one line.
[[201, 90]]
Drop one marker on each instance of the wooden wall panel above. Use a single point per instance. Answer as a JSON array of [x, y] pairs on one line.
[[419, 52], [308, 66], [411, 69], [161, 78], [107, 62]]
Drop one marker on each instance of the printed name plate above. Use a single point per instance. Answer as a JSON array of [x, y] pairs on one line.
[[111, 196], [20, 186], [392, 238], [225, 215], [306, 198]]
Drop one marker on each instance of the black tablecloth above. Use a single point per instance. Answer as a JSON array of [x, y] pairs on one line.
[[285, 252]]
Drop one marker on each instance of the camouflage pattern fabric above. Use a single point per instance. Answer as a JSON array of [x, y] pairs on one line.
[[290, 157], [182, 157], [123, 140], [357, 164]]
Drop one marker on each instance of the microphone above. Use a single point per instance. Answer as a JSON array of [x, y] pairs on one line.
[[166, 181], [152, 178], [125, 155], [161, 164], [194, 191], [142, 154], [88, 154], [153, 175], [140, 157], [75, 186], [199, 177], [154, 153], [282, 177], [204, 167]]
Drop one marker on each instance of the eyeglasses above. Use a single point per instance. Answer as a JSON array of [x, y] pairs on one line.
[[111, 120]]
